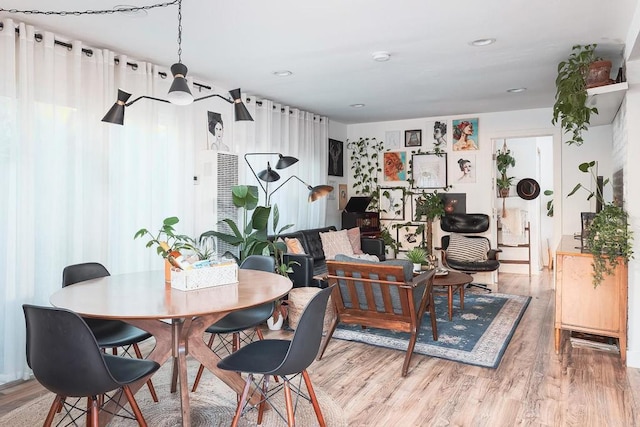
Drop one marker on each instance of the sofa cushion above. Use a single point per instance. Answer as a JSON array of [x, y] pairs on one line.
[[334, 243], [407, 266], [312, 243], [354, 239], [467, 249], [294, 245]]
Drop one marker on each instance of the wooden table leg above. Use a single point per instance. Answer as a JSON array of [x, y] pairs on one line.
[[462, 296], [450, 301]]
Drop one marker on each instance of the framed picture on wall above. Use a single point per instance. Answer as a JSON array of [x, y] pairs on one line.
[[395, 166], [342, 196], [465, 134], [429, 170], [454, 202], [216, 132], [409, 236], [439, 138], [392, 139], [332, 195], [413, 138], [336, 158], [392, 203], [465, 168]]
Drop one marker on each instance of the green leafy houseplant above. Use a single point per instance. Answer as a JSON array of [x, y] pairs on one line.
[[608, 236], [570, 107], [167, 234], [417, 255], [429, 207], [504, 160]]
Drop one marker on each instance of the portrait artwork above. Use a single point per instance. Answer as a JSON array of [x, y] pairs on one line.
[[465, 169], [465, 134], [394, 166], [216, 132], [392, 139], [335, 158], [342, 196], [439, 136], [413, 138]]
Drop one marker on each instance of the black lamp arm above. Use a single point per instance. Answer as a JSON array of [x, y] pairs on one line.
[[229, 100], [146, 97], [281, 185], [254, 173]]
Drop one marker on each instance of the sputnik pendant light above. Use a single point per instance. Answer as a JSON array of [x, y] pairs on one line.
[[179, 93]]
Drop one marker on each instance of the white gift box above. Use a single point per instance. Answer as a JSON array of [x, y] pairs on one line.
[[198, 278]]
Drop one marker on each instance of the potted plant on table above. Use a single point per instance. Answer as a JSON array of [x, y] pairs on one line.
[[583, 69], [417, 256], [429, 207], [608, 236]]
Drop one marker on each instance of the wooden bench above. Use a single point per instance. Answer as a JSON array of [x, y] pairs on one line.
[[379, 296]]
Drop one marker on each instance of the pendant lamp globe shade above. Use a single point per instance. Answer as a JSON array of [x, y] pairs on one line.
[[319, 191], [179, 93], [240, 110], [115, 114], [285, 161], [268, 175]]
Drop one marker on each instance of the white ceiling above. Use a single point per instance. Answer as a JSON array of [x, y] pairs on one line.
[[328, 44]]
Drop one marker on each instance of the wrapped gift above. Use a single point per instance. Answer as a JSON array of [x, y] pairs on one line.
[[215, 275]]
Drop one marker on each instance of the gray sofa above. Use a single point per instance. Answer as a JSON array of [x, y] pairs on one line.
[[313, 263]]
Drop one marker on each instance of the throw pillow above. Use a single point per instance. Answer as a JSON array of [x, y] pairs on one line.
[[467, 249], [294, 246], [334, 243], [354, 239], [367, 257]]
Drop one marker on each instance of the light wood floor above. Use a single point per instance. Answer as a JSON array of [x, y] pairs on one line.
[[529, 388]]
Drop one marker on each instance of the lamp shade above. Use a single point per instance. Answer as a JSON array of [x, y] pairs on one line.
[[319, 191], [240, 110], [268, 175], [179, 93], [115, 114], [285, 161]]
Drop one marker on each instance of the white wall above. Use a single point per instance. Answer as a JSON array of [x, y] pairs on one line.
[[337, 131]]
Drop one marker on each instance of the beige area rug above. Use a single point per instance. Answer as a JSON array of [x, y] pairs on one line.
[[213, 404]]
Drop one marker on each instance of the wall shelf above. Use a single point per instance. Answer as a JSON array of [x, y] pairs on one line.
[[607, 99]]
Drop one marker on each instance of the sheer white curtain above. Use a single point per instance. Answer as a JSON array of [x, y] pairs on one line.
[[296, 133], [77, 189]]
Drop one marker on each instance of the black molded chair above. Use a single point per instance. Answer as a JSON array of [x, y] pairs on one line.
[[66, 359], [466, 224], [109, 333], [236, 322], [287, 359]]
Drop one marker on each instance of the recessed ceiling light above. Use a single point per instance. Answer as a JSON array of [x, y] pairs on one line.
[[482, 42], [282, 73], [125, 9], [517, 90], [381, 56], [356, 105]]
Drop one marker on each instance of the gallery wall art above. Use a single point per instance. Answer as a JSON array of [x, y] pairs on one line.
[[429, 170], [465, 134]]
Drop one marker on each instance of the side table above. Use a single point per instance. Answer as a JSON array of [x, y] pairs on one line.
[[454, 281]]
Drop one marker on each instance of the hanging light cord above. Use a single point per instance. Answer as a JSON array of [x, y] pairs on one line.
[[180, 31], [92, 12]]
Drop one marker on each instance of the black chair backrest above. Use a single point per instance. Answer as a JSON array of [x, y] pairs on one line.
[[465, 223], [81, 272], [63, 353], [308, 335], [259, 262]]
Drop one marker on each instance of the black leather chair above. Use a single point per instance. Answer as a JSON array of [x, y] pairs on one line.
[[237, 321], [287, 359], [468, 225], [109, 333], [66, 359]]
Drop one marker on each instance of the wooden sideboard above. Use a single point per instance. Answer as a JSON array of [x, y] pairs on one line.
[[581, 307]]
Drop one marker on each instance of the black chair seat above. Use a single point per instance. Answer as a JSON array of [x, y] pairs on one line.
[[114, 333], [240, 320], [126, 370], [263, 357], [488, 265]]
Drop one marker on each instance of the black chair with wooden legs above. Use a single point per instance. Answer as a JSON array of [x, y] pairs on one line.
[[286, 359], [109, 333], [236, 322], [66, 359]]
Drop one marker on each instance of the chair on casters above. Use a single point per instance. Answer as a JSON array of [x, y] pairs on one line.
[[287, 359], [66, 359], [236, 322], [109, 333], [467, 253]]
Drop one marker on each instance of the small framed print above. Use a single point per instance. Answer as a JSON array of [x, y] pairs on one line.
[[429, 170], [409, 236], [342, 196], [454, 202], [413, 138], [414, 205], [332, 195], [392, 203], [392, 139]]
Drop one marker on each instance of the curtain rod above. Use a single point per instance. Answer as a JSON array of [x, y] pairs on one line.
[[89, 52]]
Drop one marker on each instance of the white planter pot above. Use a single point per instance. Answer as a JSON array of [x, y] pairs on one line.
[[417, 267], [274, 326]]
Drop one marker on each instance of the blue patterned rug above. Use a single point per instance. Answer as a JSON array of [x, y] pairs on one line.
[[477, 336]]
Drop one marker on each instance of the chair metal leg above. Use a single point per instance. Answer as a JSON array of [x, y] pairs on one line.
[[479, 285], [314, 399]]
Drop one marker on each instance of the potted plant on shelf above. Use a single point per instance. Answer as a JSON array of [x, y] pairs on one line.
[[429, 207], [583, 69], [608, 236], [504, 160], [417, 256]]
